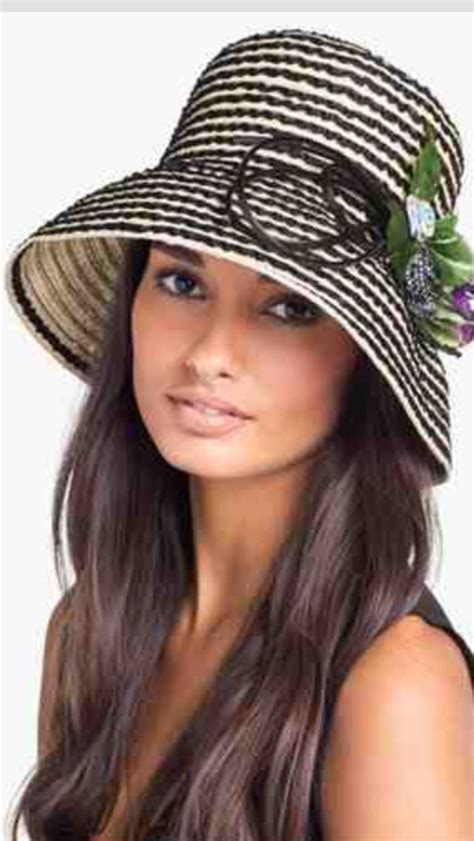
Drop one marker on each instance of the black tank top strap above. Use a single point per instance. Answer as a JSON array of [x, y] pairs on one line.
[[430, 609]]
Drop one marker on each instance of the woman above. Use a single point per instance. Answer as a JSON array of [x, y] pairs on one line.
[[249, 649]]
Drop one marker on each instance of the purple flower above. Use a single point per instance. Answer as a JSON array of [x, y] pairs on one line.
[[463, 297], [466, 333]]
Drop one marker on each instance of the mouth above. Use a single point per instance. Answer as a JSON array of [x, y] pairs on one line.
[[208, 410], [198, 418]]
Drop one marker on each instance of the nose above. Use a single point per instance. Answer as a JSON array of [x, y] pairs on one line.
[[219, 341]]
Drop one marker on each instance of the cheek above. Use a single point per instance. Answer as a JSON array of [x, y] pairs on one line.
[[307, 386], [151, 361], [152, 344]]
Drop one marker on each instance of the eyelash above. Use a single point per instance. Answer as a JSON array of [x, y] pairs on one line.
[[158, 279]]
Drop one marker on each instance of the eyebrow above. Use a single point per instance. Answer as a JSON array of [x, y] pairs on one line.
[[194, 257]]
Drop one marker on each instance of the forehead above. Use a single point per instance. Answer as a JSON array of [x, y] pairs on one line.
[[197, 258]]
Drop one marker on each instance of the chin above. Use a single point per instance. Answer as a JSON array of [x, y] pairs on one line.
[[207, 465]]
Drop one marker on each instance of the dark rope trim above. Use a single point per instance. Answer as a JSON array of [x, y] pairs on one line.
[[338, 173]]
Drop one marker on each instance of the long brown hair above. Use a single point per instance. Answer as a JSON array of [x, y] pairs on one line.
[[355, 561]]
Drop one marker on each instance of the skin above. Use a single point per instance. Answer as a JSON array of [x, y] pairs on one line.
[[223, 331], [400, 757]]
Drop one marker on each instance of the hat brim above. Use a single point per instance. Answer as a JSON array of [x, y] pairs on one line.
[[60, 280]]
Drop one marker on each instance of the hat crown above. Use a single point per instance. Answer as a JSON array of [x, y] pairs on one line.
[[319, 87]]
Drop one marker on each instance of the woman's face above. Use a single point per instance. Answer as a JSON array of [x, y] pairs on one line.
[[214, 325]]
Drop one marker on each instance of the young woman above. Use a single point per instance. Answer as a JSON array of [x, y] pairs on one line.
[[250, 649]]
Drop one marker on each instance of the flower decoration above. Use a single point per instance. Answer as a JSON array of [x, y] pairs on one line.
[[433, 263]]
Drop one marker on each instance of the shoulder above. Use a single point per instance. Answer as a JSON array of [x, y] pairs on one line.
[[400, 755], [406, 659]]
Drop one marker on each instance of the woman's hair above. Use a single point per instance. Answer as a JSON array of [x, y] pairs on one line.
[[356, 560]]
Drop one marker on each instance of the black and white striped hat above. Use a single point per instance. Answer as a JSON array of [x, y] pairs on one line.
[[285, 156]]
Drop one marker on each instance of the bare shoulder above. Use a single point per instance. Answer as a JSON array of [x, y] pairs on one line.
[[411, 652], [400, 757], [50, 672]]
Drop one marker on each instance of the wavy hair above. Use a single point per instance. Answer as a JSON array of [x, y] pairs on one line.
[[355, 560]]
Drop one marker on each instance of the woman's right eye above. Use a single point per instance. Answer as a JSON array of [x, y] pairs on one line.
[[159, 281]]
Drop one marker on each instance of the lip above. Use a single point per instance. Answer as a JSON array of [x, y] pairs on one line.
[[193, 419], [197, 397]]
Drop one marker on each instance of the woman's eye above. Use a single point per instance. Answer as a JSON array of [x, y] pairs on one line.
[[299, 305], [159, 280]]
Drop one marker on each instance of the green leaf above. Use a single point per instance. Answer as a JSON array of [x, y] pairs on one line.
[[400, 258], [442, 332], [456, 249], [397, 232], [454, 262], [446, 314], [445, 228], [427, 170]]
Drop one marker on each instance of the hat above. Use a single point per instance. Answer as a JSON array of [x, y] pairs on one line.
[[309, 158]]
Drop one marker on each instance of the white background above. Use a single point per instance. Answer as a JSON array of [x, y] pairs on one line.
[[88, 98]]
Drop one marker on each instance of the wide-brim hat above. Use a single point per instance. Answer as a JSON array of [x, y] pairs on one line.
[[285, 158]]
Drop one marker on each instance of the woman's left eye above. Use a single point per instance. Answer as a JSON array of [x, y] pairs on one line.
[[298, 303]]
